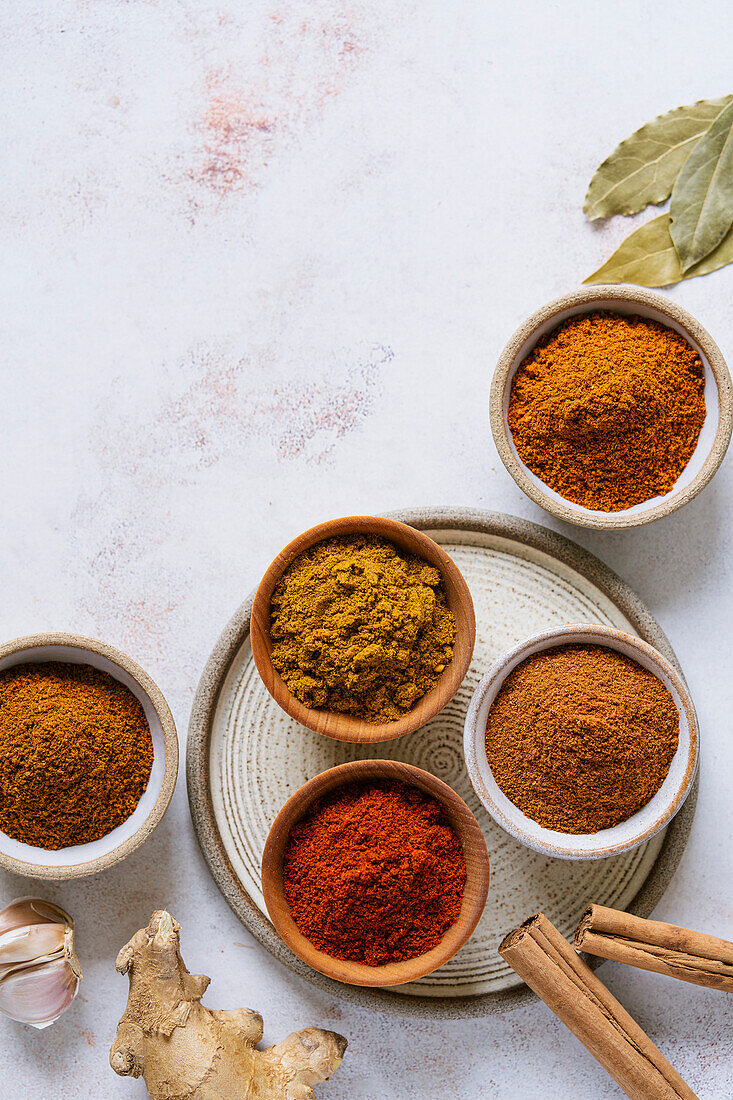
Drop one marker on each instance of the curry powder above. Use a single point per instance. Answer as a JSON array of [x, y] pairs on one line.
[[607, 409], [360, 627], [580, 737], [75, 753]]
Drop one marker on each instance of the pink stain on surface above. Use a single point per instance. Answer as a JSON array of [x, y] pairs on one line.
[[126, 558], [227, 409], [251, 112], [222, 413], [237, 133]]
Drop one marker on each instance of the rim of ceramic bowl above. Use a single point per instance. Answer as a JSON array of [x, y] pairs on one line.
[[628, 834], [22, 649], [463, 823], [611, 297], [341, 726]]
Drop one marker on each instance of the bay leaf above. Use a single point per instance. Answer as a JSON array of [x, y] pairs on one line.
[[701, 208], [643, 168], [648, 257]]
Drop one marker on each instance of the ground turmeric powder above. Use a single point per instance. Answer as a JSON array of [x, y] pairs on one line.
[[607, 409], [360, 627]]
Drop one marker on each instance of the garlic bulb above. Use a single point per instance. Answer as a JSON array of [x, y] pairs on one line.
[[39, 970]]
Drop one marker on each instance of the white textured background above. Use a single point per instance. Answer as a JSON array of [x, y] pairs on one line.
[[258, 260]]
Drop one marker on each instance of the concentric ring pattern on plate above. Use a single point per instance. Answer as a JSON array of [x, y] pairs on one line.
[[259, 757]]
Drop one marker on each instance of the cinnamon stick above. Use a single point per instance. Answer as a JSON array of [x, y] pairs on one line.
[[653, 945], [549, 966]]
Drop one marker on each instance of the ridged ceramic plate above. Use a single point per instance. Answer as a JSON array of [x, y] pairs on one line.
[[246, 757]]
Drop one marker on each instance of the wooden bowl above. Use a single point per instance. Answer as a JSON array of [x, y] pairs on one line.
[[87, 859], [714, 436], [474, 850], [345, 727], [628, 834]]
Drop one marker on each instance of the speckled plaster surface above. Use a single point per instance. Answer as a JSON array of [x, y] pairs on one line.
[[258, 262]]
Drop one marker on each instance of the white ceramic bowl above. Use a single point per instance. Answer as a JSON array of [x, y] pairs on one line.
[[714, 436], [86, 859], [642, 825]]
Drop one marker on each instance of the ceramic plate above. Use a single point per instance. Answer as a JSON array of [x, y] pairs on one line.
[[246, 757]]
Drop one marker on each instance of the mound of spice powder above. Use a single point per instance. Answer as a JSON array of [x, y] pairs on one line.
[[580, 737], [374, 873], [607, 409], [360, 627], [75, 753]]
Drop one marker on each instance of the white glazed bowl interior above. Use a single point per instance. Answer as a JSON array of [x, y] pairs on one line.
[[628, 834], [712, 406], [86, 853]]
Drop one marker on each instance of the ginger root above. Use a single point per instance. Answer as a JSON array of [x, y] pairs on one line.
[[187, 1052]]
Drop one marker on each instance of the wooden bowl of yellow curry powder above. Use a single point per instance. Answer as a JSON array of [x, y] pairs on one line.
[[363, 629], [88, 756], [611, 407]]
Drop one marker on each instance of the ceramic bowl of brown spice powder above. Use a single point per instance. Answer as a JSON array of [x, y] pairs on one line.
[[88, 756], [611, 407], [582, 741]]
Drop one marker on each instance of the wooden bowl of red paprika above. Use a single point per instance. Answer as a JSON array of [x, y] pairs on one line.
[[454, 817], [344, 726]]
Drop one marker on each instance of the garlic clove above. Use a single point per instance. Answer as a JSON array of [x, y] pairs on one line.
[[30, 943], [39, 969], [39, 994], [27, 911]]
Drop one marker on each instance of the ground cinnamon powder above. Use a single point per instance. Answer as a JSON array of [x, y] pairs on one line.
[[580, 737], [607, 409], [75, 753], [374, 873]]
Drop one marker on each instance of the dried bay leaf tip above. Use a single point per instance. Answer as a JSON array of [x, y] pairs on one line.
[[701, 208], [648, 257], [686, 153], [643, 168], [189, 1052]]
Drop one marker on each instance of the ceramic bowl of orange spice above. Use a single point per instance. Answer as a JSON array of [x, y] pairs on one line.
[[611, 407], [582, 741], [375, 873], [88, 756]]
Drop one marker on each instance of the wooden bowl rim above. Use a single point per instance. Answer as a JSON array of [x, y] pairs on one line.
[[582, 298], [344, 727], [170, 774], [462, 821]]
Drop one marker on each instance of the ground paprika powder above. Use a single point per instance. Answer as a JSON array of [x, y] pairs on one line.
[[580, 737], [374, 873], [607, 409], [75, 753]]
